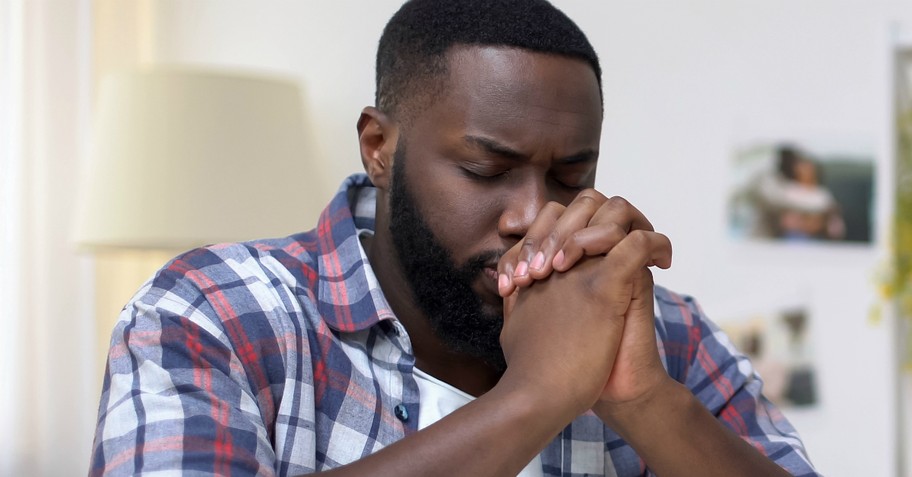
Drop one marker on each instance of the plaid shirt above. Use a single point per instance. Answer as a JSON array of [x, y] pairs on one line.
[[282, 357]]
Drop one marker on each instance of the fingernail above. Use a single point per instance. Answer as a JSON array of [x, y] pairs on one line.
[[558, 259], [503, 281], [522, 269], [538, 261]]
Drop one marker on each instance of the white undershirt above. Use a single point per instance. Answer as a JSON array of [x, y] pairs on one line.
[[439, 399]]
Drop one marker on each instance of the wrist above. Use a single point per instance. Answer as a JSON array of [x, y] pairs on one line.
[[674, 433], [653, 412], [554, 407]]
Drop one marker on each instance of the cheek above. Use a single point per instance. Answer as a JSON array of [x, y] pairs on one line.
[[464, 219]]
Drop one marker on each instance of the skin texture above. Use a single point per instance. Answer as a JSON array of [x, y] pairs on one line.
[[503, 163], [442, 289], [487, 157]]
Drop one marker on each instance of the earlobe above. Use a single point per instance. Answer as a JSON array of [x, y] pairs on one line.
[[377, 137]]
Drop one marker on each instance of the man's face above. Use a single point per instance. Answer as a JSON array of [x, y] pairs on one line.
[[512, 131]]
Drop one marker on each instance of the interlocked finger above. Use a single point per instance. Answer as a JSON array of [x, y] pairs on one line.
[[513, 267], [613, 220], [637, 250]]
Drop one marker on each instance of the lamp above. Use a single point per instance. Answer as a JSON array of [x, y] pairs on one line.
[[185, 157]]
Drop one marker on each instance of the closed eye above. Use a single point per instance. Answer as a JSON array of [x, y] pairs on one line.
[[574, 186], [573, 178], [570, 184], [484, 176]]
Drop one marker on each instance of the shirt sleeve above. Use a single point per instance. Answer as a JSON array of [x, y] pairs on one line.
[[178, 396], [702, 357]]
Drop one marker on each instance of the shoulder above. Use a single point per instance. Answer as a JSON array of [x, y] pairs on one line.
[[227, 269], [208, 343], [236, 307], [245, 283]]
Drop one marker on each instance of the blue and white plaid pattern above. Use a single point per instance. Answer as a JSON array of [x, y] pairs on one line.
[[282, 357]]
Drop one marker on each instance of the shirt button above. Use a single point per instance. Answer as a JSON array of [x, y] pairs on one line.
[[401, 412]]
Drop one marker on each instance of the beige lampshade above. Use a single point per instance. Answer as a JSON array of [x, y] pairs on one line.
[[182, 158]]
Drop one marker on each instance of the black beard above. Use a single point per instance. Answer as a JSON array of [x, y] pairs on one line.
[[441, 289]]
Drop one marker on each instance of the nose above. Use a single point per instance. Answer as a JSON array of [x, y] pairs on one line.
[[520, 209]]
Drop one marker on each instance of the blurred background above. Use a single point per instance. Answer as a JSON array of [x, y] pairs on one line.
[[689, 86]]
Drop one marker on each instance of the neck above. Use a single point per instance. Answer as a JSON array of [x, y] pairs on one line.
[[467, 373]]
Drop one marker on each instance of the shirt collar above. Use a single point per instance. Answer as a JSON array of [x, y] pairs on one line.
[[349, 297]]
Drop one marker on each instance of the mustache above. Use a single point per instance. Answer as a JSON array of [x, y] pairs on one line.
[[473, 266]]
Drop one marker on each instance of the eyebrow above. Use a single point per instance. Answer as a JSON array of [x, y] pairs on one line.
[[493, 147]]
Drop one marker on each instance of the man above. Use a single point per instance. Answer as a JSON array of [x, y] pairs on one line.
[[470, 307]]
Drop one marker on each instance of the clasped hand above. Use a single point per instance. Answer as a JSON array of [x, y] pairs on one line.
[[578, 305]]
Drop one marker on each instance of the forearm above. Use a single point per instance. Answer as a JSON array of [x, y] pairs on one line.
[[677, 436], [497, 434]]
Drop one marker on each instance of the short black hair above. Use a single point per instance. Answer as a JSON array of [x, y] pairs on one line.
[[788, 155], [414, 44]]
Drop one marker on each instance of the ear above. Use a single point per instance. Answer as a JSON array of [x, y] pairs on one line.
[[377, 138]]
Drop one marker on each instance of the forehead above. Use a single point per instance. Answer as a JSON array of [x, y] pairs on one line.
[[518, 96], [489, 69]]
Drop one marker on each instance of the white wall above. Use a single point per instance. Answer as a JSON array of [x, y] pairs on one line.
[[685, 82], [684, 85]]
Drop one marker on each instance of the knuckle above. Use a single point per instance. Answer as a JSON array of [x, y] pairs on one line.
[[584, 198], [639, 237], [593, 194], [589, 198], [614, 232], [574, 239], [553, 207], [638, 240], [619, 202], [553, 239]]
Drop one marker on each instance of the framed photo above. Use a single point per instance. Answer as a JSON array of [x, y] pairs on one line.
[[778, 346], [788, 192]]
